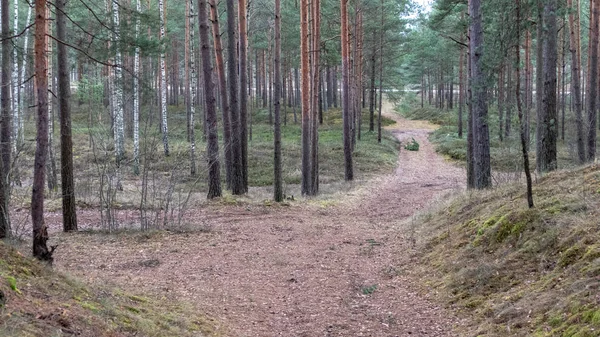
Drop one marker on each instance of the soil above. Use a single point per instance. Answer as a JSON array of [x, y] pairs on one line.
[[326, 267]]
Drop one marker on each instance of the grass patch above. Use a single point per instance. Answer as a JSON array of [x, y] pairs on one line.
[[41, 302], [518, 271]]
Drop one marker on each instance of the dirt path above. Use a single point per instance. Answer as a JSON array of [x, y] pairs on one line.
[[300, 270]]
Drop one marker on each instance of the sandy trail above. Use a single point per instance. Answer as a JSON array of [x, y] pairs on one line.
[[299, 270]]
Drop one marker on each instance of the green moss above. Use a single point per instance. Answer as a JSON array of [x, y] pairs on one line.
[[555, 321], [90, 306], [592, 253], [571, 255]]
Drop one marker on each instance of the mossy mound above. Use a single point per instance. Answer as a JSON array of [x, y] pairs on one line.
[[520, 271], [37, 301]]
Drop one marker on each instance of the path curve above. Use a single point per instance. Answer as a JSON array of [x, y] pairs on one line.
[[300, 270]]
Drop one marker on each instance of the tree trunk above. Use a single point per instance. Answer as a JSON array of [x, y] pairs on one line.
[[163, 81], [501, 102], [243, 69], [40, 231], [314, 132], [304, 64], [225, 109], [119, 130], [66, 141], [481, 140], [277, 166], [461, 85], [593, 79], [212, 144], [372, 90], [136, 97], [546, 124], [348, 168], [5, 126], [192, 90], [381, 35], [237, 174], [520, 111]]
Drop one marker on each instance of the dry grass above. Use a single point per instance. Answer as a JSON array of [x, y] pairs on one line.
[[520, 271], [37, 301]]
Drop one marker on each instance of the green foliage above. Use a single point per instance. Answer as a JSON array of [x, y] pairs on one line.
[[368, 290], [412, 145]]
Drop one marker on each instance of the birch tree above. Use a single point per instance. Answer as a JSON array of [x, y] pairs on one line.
[[16, 107], [163, 80], [119, 129], [136, 95], [192, 99]]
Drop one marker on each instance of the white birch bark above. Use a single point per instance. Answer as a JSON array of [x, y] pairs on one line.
[[193, 90], [22, 85], [136, 96], [163, 80], [119, 130], [16, 107]]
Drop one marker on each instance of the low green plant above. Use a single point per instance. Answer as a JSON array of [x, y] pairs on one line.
[[413, 145], [368, 290]]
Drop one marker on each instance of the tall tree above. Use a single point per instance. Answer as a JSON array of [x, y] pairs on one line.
[[520, 109], [546, 133], [40, 231], [480, 129], [314, 128], [212, 146], [119, 127], [576, 74], [66, 141], [304, 66], [237, 174], [348, 168], [5, 125], [277, 169], [16, 107], [243, 70], [163, 80], [592, 99], [136, 94], [225, 111], [191, 101]]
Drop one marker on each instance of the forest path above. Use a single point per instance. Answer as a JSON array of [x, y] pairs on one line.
[[318, 268]]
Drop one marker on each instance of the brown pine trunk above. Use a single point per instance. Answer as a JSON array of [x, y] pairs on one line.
[[593, 79], [212, 144], [304, 65], [5, 124], [243, 69], [501, 102], [40, 231], [316, 43], [520, 112], [349, 170], [461, 85], [237, 174], [277, 167], [225, 110], [546, 124], [372, 89], [66, 141]]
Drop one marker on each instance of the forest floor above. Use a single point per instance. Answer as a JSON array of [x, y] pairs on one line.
[[325, 267]]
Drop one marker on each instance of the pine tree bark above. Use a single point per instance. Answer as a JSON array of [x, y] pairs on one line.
[[481, 140], [5, 125], [237, 175], [66, 141], [593, 80], [225, 110], [547, 118], [304, 65], [277, 165], [243, 69], [524, 150], [347, 117], [212, 146], [40, 231], [314, 132]]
